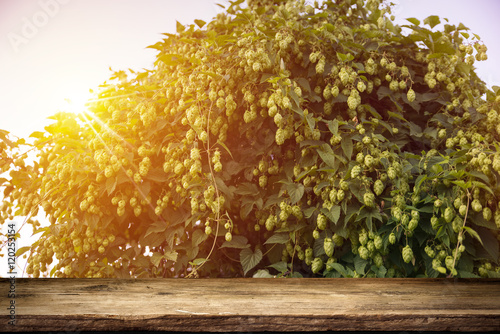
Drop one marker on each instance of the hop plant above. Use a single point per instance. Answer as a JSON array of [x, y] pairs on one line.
[[376, 147]]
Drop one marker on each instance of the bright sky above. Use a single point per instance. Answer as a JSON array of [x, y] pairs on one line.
[[52, 50]]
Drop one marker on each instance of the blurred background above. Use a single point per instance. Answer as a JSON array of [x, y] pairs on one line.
[[53, 51]]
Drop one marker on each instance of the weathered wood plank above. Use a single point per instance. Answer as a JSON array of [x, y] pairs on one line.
[[254, 305]]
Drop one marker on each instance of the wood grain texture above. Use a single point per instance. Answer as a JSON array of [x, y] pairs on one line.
[[242, 305]]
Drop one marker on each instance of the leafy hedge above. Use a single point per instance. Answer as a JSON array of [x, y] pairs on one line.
[[278, 139]]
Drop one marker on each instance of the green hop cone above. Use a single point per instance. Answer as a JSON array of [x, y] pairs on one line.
[[368, 161], [316, 265], [449, 262], [355, 171], [487, 214], [363, 238], [369, 199], [394, 85], [338, 240], [405, 220], [364, 253], [412, 225], [333, 195], [283, 215], [378, 260], [361, 86], [335, 91], [436, 264], [391, 173], [378, 187], [430, 252], [270, 223], [208, 230], [331, 260], [476, 205], [309, 252], [321, 221], [340, 195], [370, 245], [410, 95], [392, 238], [377, 241], [396, 213], [442, 270], [434, 222], [352, 102], [328, 246], [441, 255], [407, 254], [415, 198], [449, 214], [462, 210], [327, 92], [301, 255], [262, 181], [360, 158]]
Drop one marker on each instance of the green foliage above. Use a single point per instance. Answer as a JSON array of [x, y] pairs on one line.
[[278, 139]]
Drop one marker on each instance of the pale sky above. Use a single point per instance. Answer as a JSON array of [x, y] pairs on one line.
[[51, 50]]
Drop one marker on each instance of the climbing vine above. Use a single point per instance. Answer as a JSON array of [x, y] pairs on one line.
[[281, 138]]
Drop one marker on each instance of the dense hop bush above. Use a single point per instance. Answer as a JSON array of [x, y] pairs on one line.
[[282, 139]]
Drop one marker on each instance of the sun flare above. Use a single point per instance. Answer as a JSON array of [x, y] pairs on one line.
[[75, 103]]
